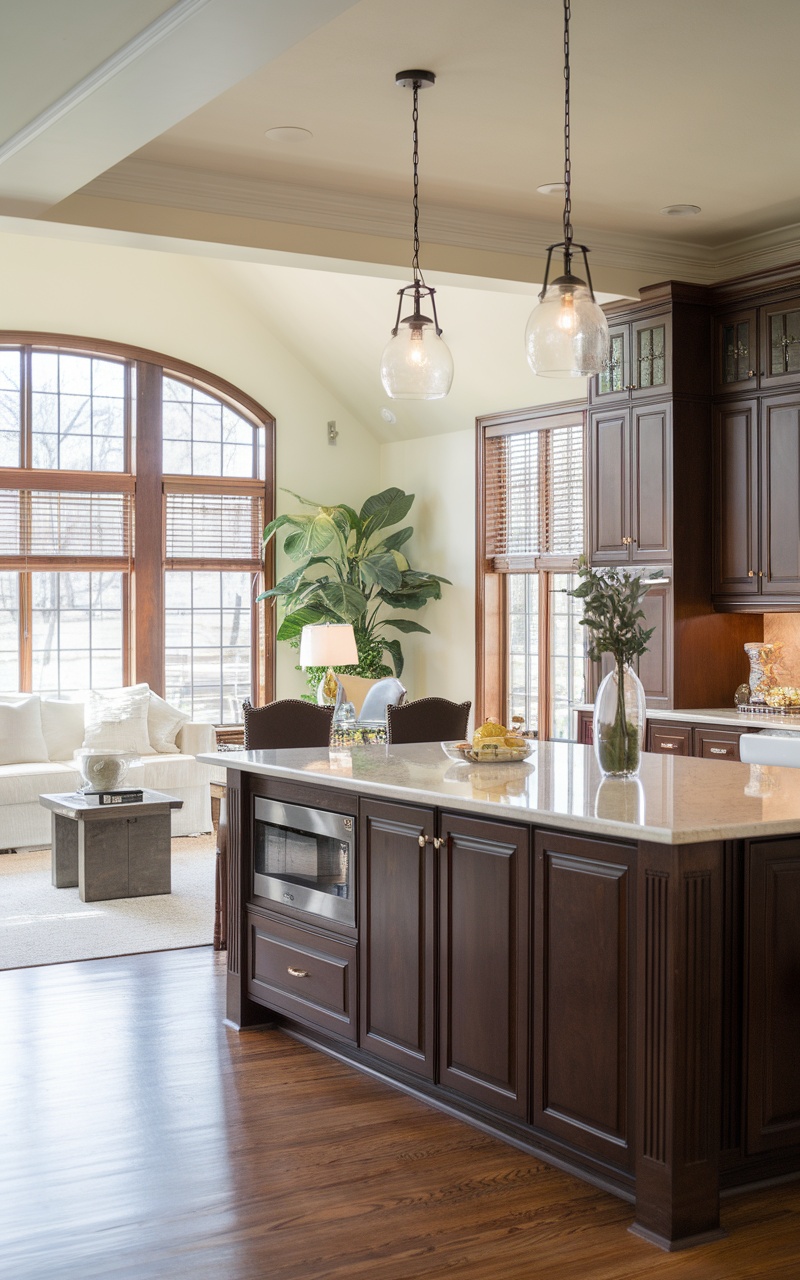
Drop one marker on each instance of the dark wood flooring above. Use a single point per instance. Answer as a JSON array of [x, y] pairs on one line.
[[142, 1138]]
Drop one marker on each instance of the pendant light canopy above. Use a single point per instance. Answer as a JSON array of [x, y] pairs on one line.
[[567, 333], [416, 363]]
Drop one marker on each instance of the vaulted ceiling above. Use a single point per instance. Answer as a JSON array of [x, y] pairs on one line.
[[147, 121]]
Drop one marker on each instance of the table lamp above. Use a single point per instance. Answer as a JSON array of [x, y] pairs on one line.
[[328, 644]]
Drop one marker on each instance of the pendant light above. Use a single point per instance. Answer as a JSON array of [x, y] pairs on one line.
[[416, 363], [567, 333]]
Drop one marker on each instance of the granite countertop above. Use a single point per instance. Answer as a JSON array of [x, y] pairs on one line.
[[674, 800], [751, 721]]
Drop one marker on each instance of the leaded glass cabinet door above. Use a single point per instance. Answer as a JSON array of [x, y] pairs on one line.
[[651, 356], [736, 352], [780, 344], [612, 383]]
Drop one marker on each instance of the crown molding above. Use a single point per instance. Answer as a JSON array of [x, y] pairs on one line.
[[152, 183], [152, 35]]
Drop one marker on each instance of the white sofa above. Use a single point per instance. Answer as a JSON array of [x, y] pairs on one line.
[[24, 823]]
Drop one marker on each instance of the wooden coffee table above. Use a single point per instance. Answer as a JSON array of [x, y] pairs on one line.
[[111, 851]]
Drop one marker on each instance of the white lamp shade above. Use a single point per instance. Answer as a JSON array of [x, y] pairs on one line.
[[328, 645], [567, 333], [416, 364]]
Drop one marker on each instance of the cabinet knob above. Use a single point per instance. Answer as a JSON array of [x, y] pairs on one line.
[[761, 573], [630, 386], [751, 373], [749, 573], [298, 973]]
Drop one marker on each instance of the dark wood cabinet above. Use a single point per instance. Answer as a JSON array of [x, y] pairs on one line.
[[736, 352], [639, 360], [305, 973], [669, 739], [630, 483], [773, 995], [717, 744], [584, 896], [780, 344], [483, 961], [757, 502], [396, 871]]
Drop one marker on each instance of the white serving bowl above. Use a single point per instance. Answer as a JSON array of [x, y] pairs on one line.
[[102, 769]]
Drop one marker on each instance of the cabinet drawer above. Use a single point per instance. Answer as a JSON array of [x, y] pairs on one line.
[[716, 744], [669, 739], [308, 975]]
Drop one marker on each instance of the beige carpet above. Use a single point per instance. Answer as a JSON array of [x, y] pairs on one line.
[[43, 925]]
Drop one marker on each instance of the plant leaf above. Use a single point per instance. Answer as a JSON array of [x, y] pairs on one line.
[[380, 569], [395, 650], [404, 624], [389, 507], [314, 536], [293, 623], [394, 541]]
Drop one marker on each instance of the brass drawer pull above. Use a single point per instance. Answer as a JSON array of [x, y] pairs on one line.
[[718, 751], [669, 746], [298, 973]]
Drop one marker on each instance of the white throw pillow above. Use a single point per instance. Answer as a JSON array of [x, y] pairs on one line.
[[21, 737], [116, 720], [163, 723], [62, 725]]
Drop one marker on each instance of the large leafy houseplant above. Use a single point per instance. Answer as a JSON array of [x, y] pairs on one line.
[[349, 568], [613, 616]]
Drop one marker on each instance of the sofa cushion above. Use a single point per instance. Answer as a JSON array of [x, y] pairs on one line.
[[164, 773], [62, 725], [24, 783], [116, 719], [21, 737], [163, 724]]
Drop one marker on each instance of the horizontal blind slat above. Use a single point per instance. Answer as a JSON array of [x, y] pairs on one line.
[[214, 526], [46, 523], [533, 493]]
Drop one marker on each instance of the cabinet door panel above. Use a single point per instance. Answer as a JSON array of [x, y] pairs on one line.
[[612, 384], [780, 497], [669, 739], [609, 486], [396, 935], [483, 1025], [655, 666], [651, 497], [780, 344], [582, 993], [773, 1000], [651, 356], [736, 552], [736, 353], [716, 744]]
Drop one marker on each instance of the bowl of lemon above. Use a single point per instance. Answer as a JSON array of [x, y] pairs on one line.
[[492, 743]]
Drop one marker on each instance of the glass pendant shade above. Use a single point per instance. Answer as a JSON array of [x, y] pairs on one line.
[[416, 363], [567, 333]]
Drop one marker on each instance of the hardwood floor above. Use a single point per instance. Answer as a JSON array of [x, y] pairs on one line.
[[141, 1139]]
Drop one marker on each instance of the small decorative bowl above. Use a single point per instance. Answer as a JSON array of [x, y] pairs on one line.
[[102, 769], [461, 752]]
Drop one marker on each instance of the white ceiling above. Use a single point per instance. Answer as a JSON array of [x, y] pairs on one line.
[[146, 120]]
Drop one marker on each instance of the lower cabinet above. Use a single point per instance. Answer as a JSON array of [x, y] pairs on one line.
[[478, 1047], [304, 973], [583, 967], [669, 739], [396, 935], [483, 961]]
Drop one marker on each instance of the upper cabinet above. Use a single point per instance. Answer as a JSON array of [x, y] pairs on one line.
[[639, 361], [780, 344], [736, 354], [630, 484]]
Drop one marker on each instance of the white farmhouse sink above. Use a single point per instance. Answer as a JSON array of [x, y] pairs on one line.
[[762, 748]]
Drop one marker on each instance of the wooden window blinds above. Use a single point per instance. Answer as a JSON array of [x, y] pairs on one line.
[[533, 495]]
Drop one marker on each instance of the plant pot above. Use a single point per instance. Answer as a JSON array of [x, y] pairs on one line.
[[620, 711]]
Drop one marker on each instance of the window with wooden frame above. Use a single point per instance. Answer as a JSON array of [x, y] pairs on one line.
[[530, 533], [133, 495]]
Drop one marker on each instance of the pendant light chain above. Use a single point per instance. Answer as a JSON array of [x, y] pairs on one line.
[[568, 232], [415, 162]]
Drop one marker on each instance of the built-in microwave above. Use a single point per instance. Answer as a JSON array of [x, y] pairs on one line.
[[305, 858]]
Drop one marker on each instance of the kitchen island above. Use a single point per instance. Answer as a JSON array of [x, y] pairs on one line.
[[602, 972]]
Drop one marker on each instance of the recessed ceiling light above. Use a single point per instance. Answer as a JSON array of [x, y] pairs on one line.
[[288, 133], [388, 416], [551, 189], [681, 210]]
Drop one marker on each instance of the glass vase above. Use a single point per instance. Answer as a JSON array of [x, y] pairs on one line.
[[619, 719]]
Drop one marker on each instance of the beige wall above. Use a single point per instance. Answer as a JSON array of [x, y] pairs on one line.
[[440, 471], [178, 305]]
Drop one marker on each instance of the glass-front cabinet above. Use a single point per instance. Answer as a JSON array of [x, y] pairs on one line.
[[780, 344], [736, 352], [639, 361]]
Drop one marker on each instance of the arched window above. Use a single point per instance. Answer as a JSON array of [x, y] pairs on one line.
[[134, 490]]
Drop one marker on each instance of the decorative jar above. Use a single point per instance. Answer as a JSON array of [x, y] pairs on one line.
[[104, 769], [619, 718], [764, 658]]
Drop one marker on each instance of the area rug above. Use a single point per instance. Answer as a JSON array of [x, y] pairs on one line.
[[43, 925]]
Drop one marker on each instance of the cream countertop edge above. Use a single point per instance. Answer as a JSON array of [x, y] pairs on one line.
[[675, 800]]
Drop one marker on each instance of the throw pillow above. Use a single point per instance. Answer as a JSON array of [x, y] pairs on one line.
[[62, 725], [21, 737], [163, 723], [116, 720]]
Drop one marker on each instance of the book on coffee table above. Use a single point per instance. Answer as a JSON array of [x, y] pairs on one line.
[[123, 796]]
